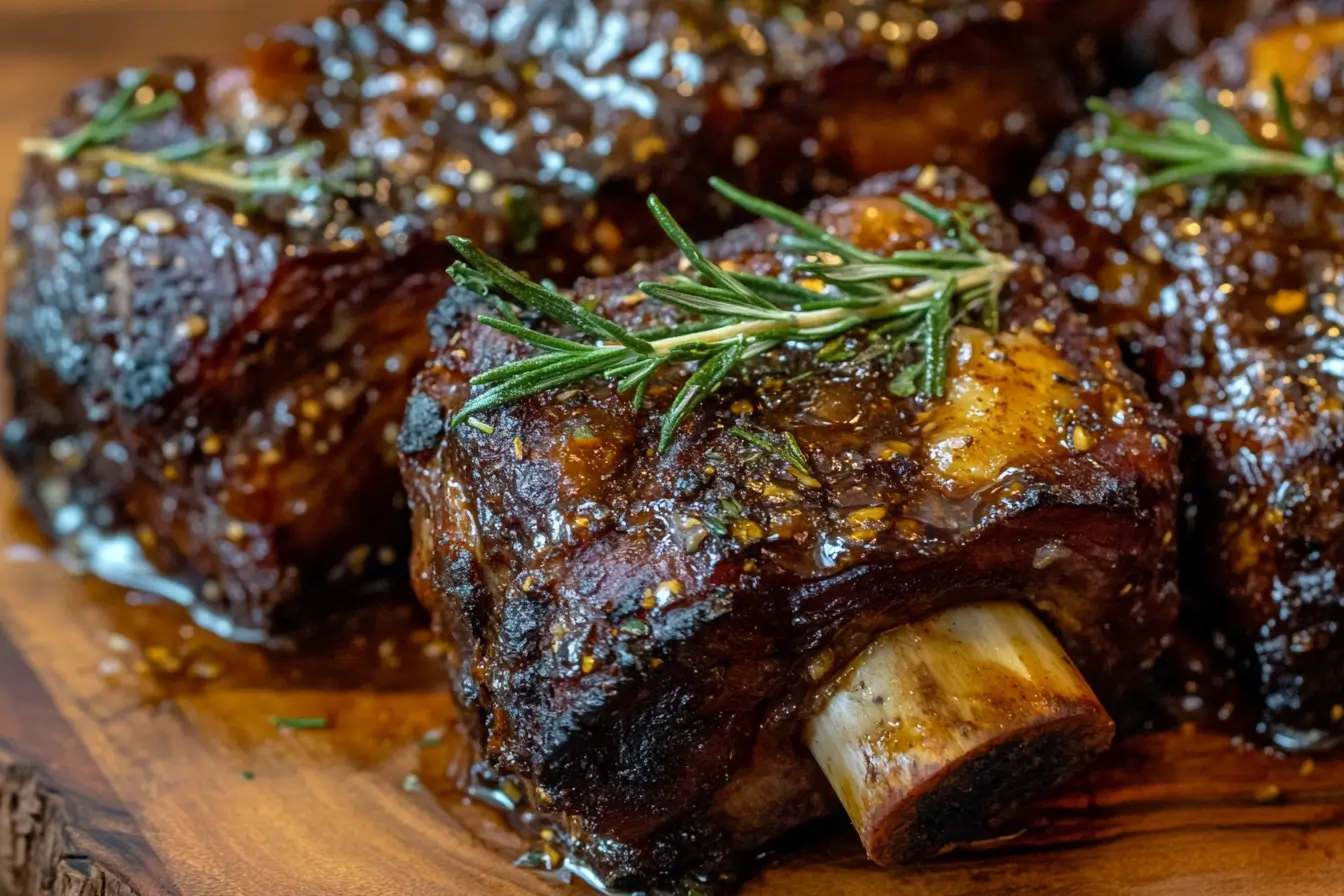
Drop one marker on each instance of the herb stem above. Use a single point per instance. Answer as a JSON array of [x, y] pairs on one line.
[[994, 270], [909, 299], [229, 178]]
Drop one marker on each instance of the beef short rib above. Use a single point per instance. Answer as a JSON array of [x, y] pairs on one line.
[[636, 633], [215, 379], [1226, 299]]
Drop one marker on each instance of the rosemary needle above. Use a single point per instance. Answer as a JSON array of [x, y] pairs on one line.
[[114, 119], [911, 299], [1205, 140], [782, 445], [301, 723]]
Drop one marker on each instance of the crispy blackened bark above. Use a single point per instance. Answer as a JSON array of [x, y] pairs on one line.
[[1227, 302], [220, 377], [637, 633]]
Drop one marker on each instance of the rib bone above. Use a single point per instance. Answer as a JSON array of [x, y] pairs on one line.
[[942, 729]]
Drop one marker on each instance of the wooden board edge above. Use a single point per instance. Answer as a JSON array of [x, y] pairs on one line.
[[37, 854], [62, 827]]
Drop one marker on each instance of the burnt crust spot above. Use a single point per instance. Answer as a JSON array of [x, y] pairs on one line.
[[422, 426], [142, 384], [447, 316]]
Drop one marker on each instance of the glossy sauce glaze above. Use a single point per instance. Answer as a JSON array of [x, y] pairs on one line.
[[1228, 301], [192, 364], [685, 603]]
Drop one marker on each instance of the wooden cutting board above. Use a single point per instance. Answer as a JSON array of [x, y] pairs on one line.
[[138, 755]]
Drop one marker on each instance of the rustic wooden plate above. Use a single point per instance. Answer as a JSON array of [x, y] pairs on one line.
[[137, 754]]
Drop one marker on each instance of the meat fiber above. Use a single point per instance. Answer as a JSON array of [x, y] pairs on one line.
[[636, 632], [1226, 299]]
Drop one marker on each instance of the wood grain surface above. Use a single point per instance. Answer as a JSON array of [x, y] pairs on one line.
[[138, 756]]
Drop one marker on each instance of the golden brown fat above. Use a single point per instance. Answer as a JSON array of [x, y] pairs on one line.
[[1009, 403], [1296, 53], [939, 731]]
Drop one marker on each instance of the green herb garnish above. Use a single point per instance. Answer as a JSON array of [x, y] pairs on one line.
[[303, 723], [114, 119], [730, 511], [976, 211], [215, 163], [906, 383], [782, 445], [637, 627], [1205, 140], [736, 316]]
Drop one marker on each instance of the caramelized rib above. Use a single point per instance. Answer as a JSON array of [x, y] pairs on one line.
[[214, 383], [637, 632], [1226, 301]]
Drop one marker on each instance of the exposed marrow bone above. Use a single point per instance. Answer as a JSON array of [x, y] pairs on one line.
[[941, 729]]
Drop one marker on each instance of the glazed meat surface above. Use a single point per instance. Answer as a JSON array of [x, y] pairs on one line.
[[1166, 31], [636, 633], [1227, 301], [214, 377]]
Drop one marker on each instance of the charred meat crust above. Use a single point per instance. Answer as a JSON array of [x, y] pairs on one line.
[[222, 376], [636, 633], [1230, 312]]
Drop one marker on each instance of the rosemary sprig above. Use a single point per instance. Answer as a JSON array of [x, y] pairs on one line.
[[1205, 140], [214, 163], [115, 119], [912, 298]]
